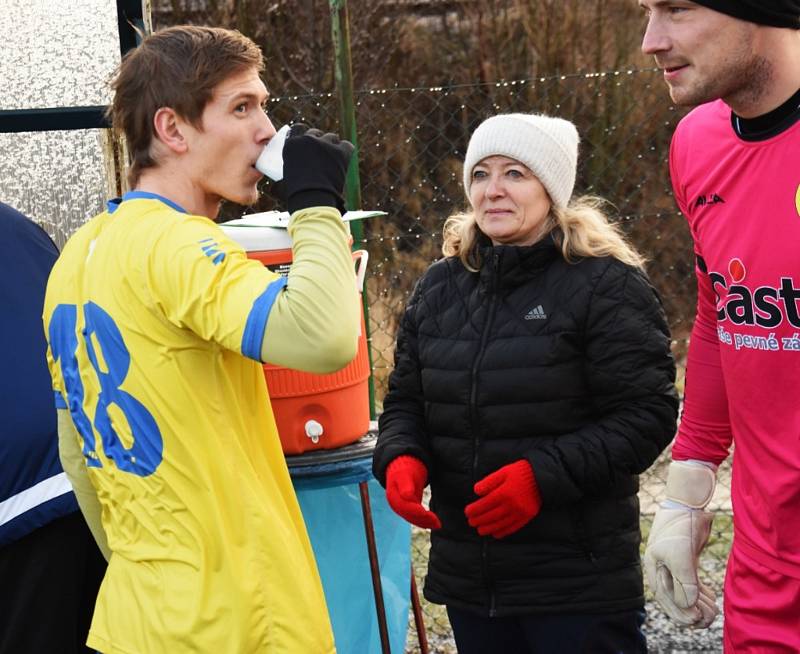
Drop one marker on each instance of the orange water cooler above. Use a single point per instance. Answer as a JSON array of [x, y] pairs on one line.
[[311, 411]]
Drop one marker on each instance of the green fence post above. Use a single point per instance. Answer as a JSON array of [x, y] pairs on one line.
[[343, 72]]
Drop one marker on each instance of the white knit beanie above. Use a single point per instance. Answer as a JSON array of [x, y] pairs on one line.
[[546, 145]]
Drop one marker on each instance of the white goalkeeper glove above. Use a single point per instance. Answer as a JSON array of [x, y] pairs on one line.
[[679, 533]]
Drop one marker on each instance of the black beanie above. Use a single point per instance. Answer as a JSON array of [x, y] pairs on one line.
[[776, 13]]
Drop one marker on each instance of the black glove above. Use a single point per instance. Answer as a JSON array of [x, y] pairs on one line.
[[314, 168]]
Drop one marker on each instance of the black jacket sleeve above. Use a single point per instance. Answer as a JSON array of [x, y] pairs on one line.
[[630, 374], [401, 426]]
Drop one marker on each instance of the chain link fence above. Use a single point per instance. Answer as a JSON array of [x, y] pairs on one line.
[[412, 135]]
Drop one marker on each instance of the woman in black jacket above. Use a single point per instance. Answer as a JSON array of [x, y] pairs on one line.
[[533, 382]]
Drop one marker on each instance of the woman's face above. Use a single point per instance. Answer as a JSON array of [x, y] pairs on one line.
[[509, 202]]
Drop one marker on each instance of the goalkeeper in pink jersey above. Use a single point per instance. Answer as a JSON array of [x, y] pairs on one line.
[[735, 168]]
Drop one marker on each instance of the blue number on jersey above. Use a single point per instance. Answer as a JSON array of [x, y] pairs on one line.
[[63, 345], [146, 452]]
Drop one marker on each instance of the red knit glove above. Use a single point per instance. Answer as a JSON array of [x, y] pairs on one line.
[[509, 500], [405, 478]]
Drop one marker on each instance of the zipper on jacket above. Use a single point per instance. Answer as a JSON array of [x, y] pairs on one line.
[[473, 396], [473, 407], [487, 578]]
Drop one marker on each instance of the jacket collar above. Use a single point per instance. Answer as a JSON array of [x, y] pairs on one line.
[[511, 265]]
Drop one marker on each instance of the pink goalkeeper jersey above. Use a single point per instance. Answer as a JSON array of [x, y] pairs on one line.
[[742, 201]]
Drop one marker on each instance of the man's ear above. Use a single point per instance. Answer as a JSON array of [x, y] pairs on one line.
[[170, 129]]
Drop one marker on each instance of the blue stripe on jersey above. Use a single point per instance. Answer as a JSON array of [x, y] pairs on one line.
[[113, 205], [60, 401], [257, 320]]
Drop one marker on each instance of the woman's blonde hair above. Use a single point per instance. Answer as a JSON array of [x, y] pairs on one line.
[[581, 229]]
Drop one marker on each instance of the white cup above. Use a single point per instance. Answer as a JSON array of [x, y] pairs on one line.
[[270, 161]]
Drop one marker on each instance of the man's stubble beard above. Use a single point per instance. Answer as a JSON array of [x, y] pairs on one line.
[[740, 84]]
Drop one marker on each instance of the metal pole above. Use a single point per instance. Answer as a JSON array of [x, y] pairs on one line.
[[52, 118], [132, 15], [343, 73], [419, 622], [133, 21], [372, 550]]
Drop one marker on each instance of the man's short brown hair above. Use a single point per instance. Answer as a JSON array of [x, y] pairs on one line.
[[177, 67]]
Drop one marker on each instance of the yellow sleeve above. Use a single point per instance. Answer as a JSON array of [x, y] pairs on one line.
[[200, 279], [69, 451], [314, 321]]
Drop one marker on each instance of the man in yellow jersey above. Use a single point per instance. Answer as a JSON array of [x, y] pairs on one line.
[[157, 325]]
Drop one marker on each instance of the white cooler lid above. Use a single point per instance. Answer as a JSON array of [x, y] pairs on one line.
[[253, 237], [267, 230]]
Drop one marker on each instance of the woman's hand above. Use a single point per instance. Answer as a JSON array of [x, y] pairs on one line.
[[406, 477], [509, 499]]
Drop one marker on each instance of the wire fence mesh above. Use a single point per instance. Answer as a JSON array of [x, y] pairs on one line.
[[575, 59]]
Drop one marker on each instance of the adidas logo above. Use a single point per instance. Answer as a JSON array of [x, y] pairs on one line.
[[537, 313]]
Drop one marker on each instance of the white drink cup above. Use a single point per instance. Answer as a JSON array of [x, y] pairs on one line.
[[270, 161]]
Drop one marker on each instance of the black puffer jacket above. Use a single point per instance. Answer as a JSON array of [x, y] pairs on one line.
[[565, 365]]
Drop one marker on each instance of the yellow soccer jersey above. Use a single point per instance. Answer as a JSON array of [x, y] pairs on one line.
[[151, 315]]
